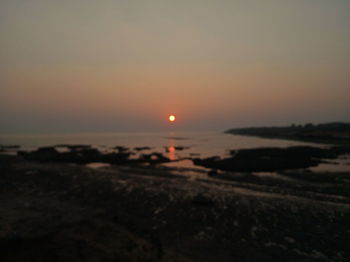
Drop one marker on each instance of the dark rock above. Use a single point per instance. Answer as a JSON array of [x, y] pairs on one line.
[[290, 152], [81, 156], [116, 158], [74, 147], [206, 161], [142, 148], [154, 158], [272, 159], [85, 155], [41, 154], [181, 147], [121, 149], [177, 148]]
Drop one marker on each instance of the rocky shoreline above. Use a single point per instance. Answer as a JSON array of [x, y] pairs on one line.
[[68, 212], [269, 159], [273, 159]]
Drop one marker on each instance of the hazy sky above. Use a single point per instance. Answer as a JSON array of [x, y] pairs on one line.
[[109, 65]]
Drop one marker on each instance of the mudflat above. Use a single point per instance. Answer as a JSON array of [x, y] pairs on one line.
[[66, 212]]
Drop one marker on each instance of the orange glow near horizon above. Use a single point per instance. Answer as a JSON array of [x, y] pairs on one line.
[[172, 118]]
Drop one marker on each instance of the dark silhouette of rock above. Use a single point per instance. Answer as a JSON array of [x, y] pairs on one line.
[[177, 148], [181, 147], [85, 155], [142, 148], [290, 152], [272, 159], [74, 147], [154, 158], [41, 154], [121, 149]]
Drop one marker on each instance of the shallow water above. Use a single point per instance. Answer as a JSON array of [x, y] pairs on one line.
[[203, 143], [338, 165], [197, 144]]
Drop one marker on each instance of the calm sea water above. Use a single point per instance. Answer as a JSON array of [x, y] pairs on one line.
[[198, 144]]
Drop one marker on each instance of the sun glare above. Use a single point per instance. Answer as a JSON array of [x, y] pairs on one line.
[[172, 118]]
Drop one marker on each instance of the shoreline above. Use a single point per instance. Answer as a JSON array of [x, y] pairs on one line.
[[329, 133]]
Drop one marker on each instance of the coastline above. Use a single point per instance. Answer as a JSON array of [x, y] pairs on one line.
[[329, 133]]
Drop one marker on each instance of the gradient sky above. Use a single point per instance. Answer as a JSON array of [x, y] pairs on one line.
[[109, 65]]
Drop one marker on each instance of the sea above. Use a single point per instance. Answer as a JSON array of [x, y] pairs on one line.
[[175, 145]]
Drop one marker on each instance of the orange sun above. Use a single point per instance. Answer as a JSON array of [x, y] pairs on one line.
[[172, 118]]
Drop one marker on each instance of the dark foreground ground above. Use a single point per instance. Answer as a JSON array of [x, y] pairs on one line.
[[67, 212]]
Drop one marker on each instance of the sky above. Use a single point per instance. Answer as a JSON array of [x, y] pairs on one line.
[[109, 65]]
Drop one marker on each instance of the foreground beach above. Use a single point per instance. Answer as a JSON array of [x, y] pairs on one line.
[[67, 212]]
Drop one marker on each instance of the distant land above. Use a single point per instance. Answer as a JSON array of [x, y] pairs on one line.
[[327, 133]]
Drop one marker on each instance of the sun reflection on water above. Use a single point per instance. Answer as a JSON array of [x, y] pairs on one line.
[[171, 148]]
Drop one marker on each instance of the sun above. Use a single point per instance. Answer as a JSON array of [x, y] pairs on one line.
[[172, 118]]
